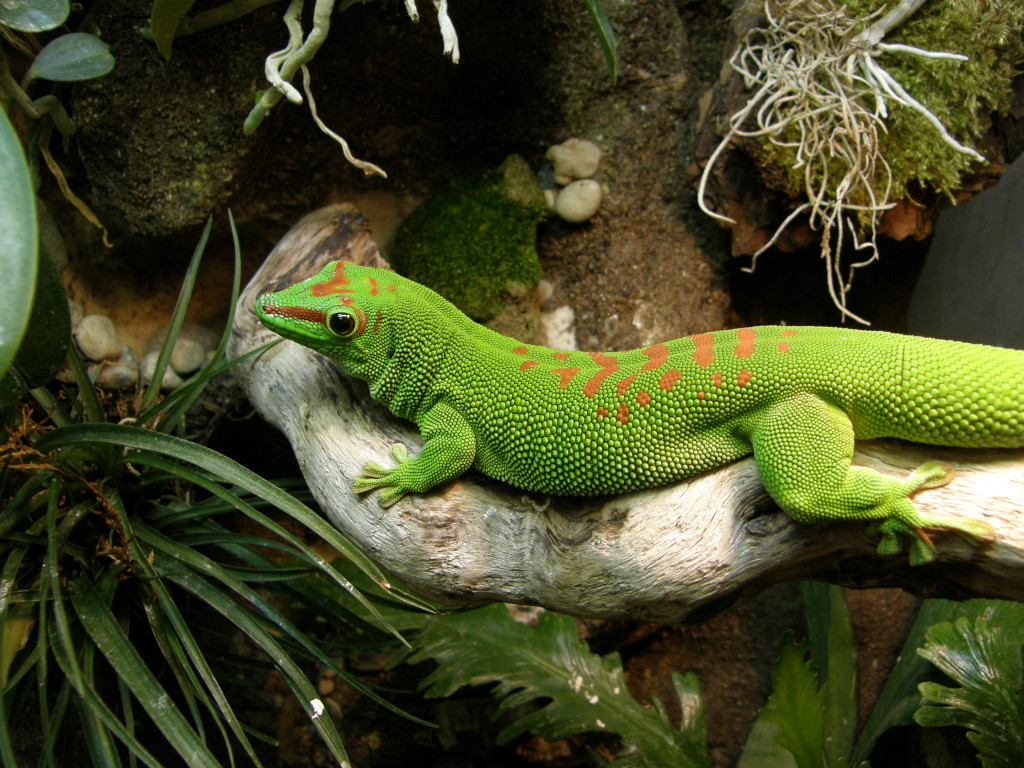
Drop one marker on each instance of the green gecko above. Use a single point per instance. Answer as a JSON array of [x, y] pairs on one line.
[[589, 423]]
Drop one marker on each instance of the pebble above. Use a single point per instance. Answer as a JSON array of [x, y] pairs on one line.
[[578, 201], [147, 368], [97, 338], [191, 331], [117, 376], [76, 311], [187, 356], [574, 159]]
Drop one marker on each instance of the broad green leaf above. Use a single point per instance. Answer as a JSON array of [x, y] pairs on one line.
[[606, 34], [18, 234], [982, 656], [585, 692], [72, 57], [797, 705], [900, 697], [833, 653], [163, 21], [34, 15], [45, 344]]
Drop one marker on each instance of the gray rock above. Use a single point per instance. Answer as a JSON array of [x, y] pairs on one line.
[[187, 356], [97, 338], [117, 376], [128, 356], [76, 311], [147, 368], [578, 201], [193, 332]]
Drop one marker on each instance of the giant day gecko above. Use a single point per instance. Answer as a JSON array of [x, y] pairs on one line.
[[587, 423]]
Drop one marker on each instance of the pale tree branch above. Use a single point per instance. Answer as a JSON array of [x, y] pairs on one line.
[[685, 550]]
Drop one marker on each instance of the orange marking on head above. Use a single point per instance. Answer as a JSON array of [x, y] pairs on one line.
[[391, 288], [346, 300], [704, 353], [743, 377], [519, 350], [783, 347], [566, 375], [700, 394], [622, 415], [337, 284], [624, 384], [528, 364], [669, 379], [560, 355], [656, 357], [376, 323], [745, 345], [297, 313], [643, 399], [374, 290], [602, 411], [789, 331], [716, 379], [609, 365]]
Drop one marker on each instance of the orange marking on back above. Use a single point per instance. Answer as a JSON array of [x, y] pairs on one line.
[[528, 364], [337, 284], [669, 379], [566, 375], [519, 350], [609, 365], [716, 379], [622, 415], [392, 288], [656, 357], [704, 353], [624, 384], [602, 411], [560, 355], [745, 345], [374, 289], [700, 394], [783, 347], [643, 399], [789, 331], [743, 377]]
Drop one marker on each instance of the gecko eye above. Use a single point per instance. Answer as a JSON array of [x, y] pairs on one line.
[[342, 324]]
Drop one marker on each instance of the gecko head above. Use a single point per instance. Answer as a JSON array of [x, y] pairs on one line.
[[343, 312]]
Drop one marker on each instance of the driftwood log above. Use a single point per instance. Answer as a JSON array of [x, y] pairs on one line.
[[687, 550]]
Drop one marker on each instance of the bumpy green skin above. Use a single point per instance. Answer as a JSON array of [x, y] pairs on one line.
[[597, 423]]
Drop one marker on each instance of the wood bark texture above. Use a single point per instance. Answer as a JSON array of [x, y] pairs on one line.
[[667, 554]]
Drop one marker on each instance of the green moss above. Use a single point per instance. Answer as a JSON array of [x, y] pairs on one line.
[[962, 94], [474, 241]]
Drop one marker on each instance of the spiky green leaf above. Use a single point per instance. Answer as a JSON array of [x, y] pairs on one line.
[[549, 661]]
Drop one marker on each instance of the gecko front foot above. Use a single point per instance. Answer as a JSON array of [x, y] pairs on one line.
[[375, 476]]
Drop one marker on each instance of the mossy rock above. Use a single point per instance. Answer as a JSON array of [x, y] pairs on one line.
[[474, 241]]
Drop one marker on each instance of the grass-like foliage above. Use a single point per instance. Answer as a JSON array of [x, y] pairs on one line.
[[982, 656], [125, 586], [550, 663]]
